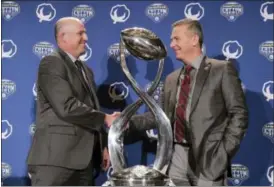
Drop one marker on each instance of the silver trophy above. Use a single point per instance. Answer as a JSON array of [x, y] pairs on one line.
[[144, 45]]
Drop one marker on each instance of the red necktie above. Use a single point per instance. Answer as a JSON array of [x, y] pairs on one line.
[[181, 107]]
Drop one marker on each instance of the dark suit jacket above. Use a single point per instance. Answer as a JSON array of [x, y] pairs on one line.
[[218, 116], [68, 120]]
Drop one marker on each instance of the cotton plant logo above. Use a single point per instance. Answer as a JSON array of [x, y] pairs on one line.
[[45, 12], [230, 53], [9, 48], [119, 13], [264, 11], [189, 12]]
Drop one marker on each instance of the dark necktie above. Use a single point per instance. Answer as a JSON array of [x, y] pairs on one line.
[[80, 68], [182, 105]]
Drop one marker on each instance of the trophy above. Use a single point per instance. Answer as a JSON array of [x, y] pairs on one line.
[[144, 45]]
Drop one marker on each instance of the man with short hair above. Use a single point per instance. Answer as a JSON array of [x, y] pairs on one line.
[[206, 106], [68, 141]]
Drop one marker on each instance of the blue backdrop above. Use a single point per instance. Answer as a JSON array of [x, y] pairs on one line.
[[242, 31]]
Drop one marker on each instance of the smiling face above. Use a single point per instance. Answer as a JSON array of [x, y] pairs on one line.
[[184, 42], [72, 37]]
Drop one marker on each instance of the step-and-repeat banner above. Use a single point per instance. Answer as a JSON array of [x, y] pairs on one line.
[[241, 30]]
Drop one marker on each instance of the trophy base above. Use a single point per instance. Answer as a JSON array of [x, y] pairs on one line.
[[139, 176]]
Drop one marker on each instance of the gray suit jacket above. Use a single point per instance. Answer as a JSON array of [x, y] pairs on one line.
[[218, 116], [68, 120]]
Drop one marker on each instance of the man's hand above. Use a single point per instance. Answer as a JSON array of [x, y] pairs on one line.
[[106, 160], [110, 118]]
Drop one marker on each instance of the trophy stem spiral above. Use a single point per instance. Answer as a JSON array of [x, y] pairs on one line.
[[115, 138]]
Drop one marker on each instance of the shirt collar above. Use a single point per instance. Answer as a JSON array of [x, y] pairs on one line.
[[197, 61], [72, 58]]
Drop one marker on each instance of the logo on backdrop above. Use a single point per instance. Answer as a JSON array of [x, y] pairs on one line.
[[267, 49], [9, 48], [232, 49], [156, 95], [114, 52], [232, 10], [240, 173], [194, 11], [109, 172], [6, 170], [268, 131], [6, 129], [157, 12], [45, 12], [118, 91], [43, 49], [268, 90], [87, 54], [83, 12], [10, 9], [119, 13], [270, 175], [8, 88], [152, 134], [34, 91], [32, 128], [265, 10]]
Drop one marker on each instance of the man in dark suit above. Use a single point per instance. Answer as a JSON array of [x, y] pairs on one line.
[[206, 106], [69, 136]]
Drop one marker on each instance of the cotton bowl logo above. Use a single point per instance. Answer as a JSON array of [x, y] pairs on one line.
[[114, 52], [9, 48], [264, 10], [157, 93], [6, 170], [45, 12], [157, 12], [87, 54], [124, 12], [267, 49], [232, 10], [6, 129], [43, 49], [268, 90], [8, 88], [118, 91], [189, 11], [10, 9], [83, 12], [239, 174], [32, 128], [234, 44], [270, 175], [268, 131]]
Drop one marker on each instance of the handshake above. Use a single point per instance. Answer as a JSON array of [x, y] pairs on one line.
[[109, 118]]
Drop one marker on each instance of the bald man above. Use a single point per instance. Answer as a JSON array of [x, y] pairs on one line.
[[69, 136]]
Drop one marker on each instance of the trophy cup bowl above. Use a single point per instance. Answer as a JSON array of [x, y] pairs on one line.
[[144, 45]]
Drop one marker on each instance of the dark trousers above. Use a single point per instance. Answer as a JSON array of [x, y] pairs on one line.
[[59, 176]]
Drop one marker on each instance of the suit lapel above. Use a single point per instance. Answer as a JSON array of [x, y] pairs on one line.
[[200, 81], [91, 86], [173, 91], [79, 75]]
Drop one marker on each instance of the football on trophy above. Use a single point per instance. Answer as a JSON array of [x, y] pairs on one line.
[[143, 44]]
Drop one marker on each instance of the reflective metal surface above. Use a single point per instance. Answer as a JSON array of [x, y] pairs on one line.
[[143, 44]]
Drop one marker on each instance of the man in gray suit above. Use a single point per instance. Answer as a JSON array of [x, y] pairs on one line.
[[206, 106], [69, 136]]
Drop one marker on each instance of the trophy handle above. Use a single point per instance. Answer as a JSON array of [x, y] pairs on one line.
[[116, 132]]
